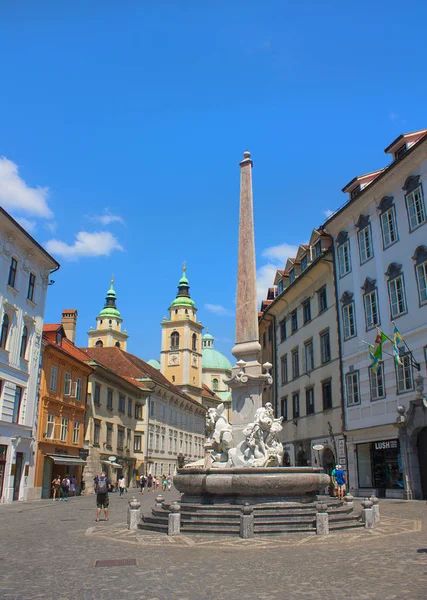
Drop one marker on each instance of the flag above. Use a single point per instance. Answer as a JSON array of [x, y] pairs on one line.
[[397, 339], [376, 355], [381, 337]]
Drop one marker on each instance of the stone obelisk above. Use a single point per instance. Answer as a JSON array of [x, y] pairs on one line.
[[247, 380]]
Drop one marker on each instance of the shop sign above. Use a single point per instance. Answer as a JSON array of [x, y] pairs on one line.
[[83, 453], [61, 451], [385, 445]]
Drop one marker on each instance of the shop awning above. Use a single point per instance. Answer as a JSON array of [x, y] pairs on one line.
[[112, 464], [64, 459]]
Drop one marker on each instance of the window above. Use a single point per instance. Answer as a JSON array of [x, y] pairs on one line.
[[284, 407], [151, 406], [349, 323], [12, 272], [322, 299], [122, 403], [389, 227], [355, 192], [110, 399], [352, 387], [4, 331], [53, 378], [24, 342], [175, 341], [138, 411], [291, 275], [79, 388], [370, 302], [404, 375], [309, 401], [129, 407], [128, 438], [97, 397], [96, 432], [415, 208], [306, 311], [215, 385], [318, 248], [327, 394], [76, 432], [109, 440], [421, 271], [50, 427], [64, 430], [280, 286], [120, 438], [67, 384], [304, 262], [396, 290], [377, 382], [308, 356], [344, 263], [295, 363], [17, 404], [400, 152], [194, 338], [157, 438], [294, 321], [151, 440], [137, 443], [163, 442], [59, 338], [31, 286], [283, 330], [284, 368], [264, 339], [270, 333], [295, 405], [325, 347], [365, 244]]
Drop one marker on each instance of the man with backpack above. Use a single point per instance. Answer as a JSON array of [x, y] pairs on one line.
[[65, 486], [102, 487]]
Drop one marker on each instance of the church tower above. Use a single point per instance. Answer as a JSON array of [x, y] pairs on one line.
[[181, 353], [108, 325]]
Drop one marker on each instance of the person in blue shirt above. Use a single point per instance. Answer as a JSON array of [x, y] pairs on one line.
[[340, 479]]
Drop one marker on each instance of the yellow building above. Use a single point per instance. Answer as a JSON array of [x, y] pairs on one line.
[[108, 325]]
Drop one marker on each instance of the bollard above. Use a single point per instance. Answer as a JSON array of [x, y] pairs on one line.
[[349, 501], [322, 519], [376, 509], [368, 513], [134, 514], [159, 501], [247, 521], [174, 519]]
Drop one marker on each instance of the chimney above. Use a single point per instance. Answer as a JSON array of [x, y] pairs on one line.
[[69, 323]]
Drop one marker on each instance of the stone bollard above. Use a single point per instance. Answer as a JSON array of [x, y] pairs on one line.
[[348, 501], [368, 513], [159, 501], [322, 519], [247, 521], [134, 514], [376, 509], [174, 519]]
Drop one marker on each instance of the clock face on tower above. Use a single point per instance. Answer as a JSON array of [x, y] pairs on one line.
[[174, 359], [194, 360]]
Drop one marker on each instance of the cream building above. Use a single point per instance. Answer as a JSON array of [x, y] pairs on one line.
[[307, 374], [25, 270]]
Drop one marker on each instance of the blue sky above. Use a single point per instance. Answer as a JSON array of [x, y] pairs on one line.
[[128, 120]]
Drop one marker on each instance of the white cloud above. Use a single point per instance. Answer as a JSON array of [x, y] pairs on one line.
[[16, 195], [51, 226], [277, 255], [107, 218], [28, 225], [101, 243], [219, 310], [327, 212]]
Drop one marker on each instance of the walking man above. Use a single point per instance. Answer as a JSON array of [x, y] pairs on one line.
[[122, 486], [340, 479], [102, 487]]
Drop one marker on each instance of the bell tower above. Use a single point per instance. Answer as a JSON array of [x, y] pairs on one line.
[[181, 352], [108, 325]]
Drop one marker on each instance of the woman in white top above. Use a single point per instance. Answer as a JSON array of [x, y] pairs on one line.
[[122, 486]]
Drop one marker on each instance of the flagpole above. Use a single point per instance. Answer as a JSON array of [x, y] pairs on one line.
[[368, 344], [413, 361]]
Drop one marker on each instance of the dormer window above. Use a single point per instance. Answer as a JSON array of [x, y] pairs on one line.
[[59, 338], [291, 275], [400, 152], [304, 262], [280, 286], [355, 191], [318, 248]]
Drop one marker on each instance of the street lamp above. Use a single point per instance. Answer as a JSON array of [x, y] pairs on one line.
[[318, 448]]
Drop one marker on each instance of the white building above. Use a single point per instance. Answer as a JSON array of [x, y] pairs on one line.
[[380, 238], [307, 375], [25, 270]]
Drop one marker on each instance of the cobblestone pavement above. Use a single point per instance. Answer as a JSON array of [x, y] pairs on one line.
[[48, 550]]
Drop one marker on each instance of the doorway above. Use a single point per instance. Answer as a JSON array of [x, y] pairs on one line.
[[422, 459], [328, 460], [18, 475]]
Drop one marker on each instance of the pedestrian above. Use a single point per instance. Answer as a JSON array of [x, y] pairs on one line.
[[169, 483], [122, 486], [157, 482], [164, 483], [102, 487], [340, 479], [56, 488], [150, 482], [65, 487], [73, 485], [142, 483]]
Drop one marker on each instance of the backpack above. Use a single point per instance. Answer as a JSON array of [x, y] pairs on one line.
[[65, 483], [102, 487]]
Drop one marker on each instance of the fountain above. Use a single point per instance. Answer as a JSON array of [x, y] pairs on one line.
[[242, 474]]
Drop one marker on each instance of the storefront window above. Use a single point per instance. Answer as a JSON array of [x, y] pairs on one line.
[[380, 465]]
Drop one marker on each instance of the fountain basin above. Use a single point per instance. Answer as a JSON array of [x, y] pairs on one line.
[[242, 484]]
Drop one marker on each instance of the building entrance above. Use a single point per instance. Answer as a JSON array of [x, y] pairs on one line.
[[422, 459], [18, 475]]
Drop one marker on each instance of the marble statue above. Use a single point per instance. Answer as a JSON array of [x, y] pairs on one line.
[[219, 435]]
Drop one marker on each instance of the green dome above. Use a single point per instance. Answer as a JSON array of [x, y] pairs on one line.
[[110, 312], [208, 336], [182, 301], [183, 296], [154, 363], [212, 359], [110, 308]]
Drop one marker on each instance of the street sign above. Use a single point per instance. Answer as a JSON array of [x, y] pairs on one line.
[[83, 453], [112, 458], [318, 447]]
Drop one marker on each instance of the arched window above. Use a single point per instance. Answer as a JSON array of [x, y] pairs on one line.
[[117, 344], [99, 344], [24, 342], [110, 322], [175, 340], [194, 342], [215, 385], [4, 332]]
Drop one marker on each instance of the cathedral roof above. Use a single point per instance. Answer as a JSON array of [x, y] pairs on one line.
[[110, 308], [154, 363], [183, 297], [211, 358]]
